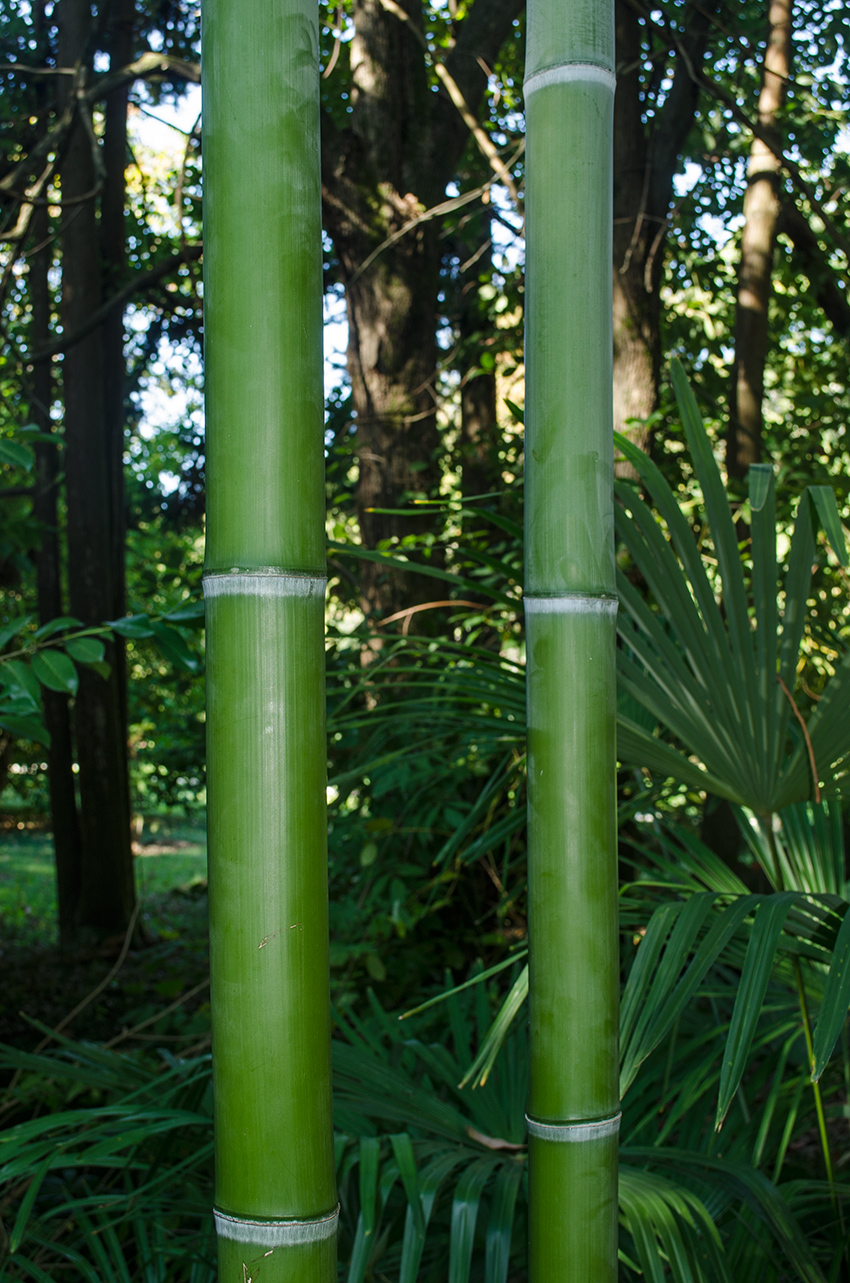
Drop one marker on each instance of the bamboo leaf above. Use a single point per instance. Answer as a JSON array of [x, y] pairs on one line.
[[26, 1205], [501, 1221], [827, 510], [465, 1204], [56, 671], [403, 1150], [764, 939], [836, 1001], [760, 479]]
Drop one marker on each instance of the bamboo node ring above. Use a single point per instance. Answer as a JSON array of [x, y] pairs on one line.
[[571, 1132], [571, 603], [589, 72], [275, 1233], [262, 583]]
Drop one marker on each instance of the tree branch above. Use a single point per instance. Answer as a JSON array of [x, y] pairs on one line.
[[139, 282]]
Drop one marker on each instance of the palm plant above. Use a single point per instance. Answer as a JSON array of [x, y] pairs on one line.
[[264, 587], [570, 611]]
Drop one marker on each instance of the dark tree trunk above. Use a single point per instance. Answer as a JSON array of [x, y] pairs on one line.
[[107, 895], [478, 426], [392, 162], [814, 262], [646, 157], [122, 17], [60, 755], [758, 238]]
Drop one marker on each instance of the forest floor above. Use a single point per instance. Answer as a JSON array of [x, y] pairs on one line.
[[161, 984]]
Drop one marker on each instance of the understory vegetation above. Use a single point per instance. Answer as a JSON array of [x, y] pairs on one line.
[[734, 1051], [731, 399]]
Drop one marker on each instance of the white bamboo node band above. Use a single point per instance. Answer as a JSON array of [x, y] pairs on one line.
[[263, 583], [571, 604], [275, 1233], [569, 1133], [589, 72]]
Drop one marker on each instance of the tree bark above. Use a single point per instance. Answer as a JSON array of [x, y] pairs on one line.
[[107, 888], [122, 16], [57, 719], [646, 157], [391, 163], [813, 261], [478, 424], [761, 217]]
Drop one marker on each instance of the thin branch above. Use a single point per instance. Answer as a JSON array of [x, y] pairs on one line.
[[437, 211], [485, 143], [135, 286], [805, 729]]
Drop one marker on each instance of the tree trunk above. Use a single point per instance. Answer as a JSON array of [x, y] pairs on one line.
[[646, 157], [571, 610], [391, 163], [107, 886], [122, 15], [761, 216], [479, 437], [60, 755]]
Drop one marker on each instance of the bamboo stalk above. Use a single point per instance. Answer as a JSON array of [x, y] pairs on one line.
[[570, 606], [264, 585]]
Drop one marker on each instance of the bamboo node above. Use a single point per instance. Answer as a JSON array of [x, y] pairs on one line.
[[571, 603], [589, 72], [570, 1133], [263, 583], [273, 1234]]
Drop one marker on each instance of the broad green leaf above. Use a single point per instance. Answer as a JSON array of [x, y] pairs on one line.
[[836, 1001], [85, 650], [24, 678], [55, 670], [135, 626], [25, 728], [174, 647], [758, 963], [57, 626], [100, 667], [189, 611], [16, 454], [11, 630]]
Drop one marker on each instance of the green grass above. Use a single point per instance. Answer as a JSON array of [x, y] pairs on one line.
[[28, 878]]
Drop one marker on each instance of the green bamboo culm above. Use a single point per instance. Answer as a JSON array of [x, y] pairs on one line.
[[264, 585], [570, 611]]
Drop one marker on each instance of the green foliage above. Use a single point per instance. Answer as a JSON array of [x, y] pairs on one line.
[[722, 681]]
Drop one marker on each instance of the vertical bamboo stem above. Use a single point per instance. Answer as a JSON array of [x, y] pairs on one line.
[[264, 586], [570, 605]]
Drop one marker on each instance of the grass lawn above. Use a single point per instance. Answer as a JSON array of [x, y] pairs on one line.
[[172, 854], [40, 982]]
